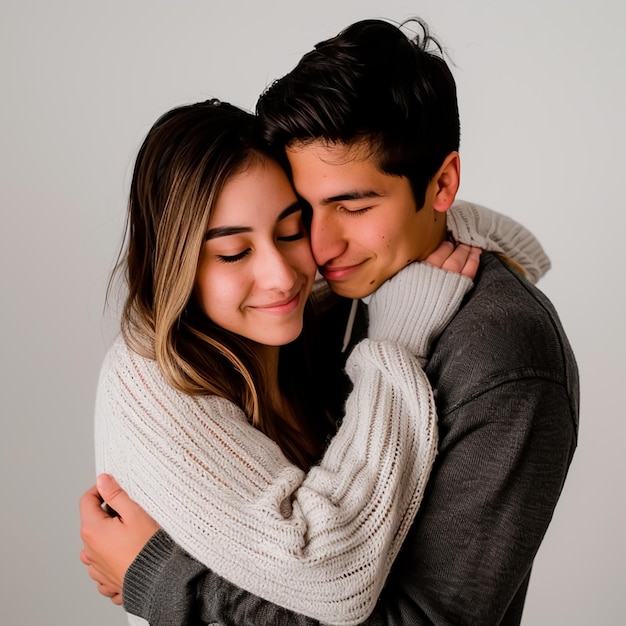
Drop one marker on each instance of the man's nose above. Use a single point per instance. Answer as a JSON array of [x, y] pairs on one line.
[[327, 240]]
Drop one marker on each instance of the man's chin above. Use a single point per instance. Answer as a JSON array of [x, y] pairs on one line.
[[346, 290]]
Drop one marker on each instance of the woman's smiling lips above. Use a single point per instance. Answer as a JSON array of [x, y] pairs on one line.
[[281, 307]]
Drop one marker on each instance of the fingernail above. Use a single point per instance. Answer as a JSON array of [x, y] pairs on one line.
[[101, 481]]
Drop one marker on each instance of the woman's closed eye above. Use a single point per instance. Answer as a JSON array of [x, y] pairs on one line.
[[299, 235], [223, 258]]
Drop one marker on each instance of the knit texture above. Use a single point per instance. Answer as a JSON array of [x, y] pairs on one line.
[[419, 289], [467, 440], [320, 544], [507, 407], [481, 227]]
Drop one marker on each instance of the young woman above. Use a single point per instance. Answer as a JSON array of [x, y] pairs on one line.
[[211, 372]]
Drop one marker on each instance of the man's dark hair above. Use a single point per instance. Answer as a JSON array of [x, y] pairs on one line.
[[374, 83]]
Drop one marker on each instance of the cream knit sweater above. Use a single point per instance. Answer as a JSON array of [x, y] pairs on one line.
[[320, 544]]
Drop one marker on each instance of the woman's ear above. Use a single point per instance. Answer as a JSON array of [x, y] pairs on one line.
[[446, 182]]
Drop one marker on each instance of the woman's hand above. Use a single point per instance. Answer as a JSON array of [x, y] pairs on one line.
[[112, 542], [456, 257], [414, 306]]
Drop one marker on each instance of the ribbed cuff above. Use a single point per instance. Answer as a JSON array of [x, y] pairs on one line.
[[415, 305], [144, 571]]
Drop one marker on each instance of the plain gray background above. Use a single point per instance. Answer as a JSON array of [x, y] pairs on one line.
[[543, 98]]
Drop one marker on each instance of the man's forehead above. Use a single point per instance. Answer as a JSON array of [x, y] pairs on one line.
[[324, 173], [331, 152]]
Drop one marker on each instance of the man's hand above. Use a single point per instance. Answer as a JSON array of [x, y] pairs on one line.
[[456, 257], [105, 586], [112, 542]]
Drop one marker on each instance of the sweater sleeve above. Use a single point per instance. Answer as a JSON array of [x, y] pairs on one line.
[[167, 586], [320, 544], [415, 305], [485, 228]]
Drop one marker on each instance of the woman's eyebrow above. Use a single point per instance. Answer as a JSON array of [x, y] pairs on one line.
[[225, 231], [292, 208]]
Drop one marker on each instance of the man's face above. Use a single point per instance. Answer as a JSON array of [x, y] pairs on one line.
[[365, 227]]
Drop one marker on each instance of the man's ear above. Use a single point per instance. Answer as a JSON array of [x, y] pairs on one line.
[[446, 182]]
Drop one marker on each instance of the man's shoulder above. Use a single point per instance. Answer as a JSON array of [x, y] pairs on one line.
[[507, 329]]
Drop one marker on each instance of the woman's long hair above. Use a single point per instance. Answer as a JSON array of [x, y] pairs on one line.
[[186, 159]]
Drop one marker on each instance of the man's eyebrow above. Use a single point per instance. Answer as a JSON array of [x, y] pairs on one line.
[[225, 231], [352, 195]]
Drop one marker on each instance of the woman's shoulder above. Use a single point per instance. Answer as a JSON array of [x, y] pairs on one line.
[[132, 377], [121, 361], [119, 352]]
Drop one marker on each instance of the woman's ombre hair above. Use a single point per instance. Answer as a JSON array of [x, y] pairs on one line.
[[182, 166]]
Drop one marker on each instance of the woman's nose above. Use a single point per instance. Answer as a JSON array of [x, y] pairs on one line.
[[275, 270]]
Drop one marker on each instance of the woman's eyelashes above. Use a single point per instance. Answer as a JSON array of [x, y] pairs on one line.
[[222, 258], [299, 235], [233, 258], [291, 228]]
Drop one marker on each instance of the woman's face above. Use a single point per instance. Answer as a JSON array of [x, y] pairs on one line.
[[256, 269]]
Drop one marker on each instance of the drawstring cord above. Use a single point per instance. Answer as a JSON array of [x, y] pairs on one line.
[[351, 317]]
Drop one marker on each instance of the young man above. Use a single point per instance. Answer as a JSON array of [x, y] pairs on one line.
[[368, 123]]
